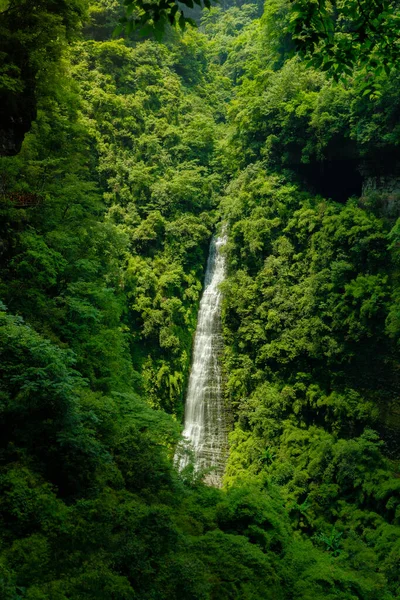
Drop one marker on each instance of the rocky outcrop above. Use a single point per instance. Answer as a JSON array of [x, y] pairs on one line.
[[15, 122], [385, 190]]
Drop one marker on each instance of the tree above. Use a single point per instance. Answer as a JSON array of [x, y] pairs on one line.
[[30, 39], [340, 34], [152, 17]]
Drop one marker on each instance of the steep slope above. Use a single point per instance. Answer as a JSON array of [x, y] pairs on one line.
[[137, 150]]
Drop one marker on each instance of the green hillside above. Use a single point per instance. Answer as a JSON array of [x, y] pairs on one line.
[[120, 155]]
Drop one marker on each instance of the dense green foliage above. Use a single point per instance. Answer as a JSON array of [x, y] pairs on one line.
[[136, 151], [311, 306], [32, 39], [339, 34]]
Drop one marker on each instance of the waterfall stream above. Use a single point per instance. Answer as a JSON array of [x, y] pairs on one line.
[[205, 424]]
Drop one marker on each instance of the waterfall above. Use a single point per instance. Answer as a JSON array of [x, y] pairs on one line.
[[205, 424]]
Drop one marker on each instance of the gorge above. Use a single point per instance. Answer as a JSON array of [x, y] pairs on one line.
[[276, 350]]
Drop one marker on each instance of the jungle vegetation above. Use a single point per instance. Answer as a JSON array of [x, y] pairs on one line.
[[283, 122]]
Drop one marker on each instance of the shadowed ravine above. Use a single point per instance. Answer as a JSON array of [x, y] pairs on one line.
[[205, 425]]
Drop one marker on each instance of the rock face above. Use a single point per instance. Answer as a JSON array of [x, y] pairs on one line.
[[388, 184], [387, 188], [14, 125]]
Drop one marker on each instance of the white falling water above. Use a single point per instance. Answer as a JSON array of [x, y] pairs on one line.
[[205, 425]]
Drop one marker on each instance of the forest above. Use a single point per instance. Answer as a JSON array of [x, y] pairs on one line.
[[129, 131]]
